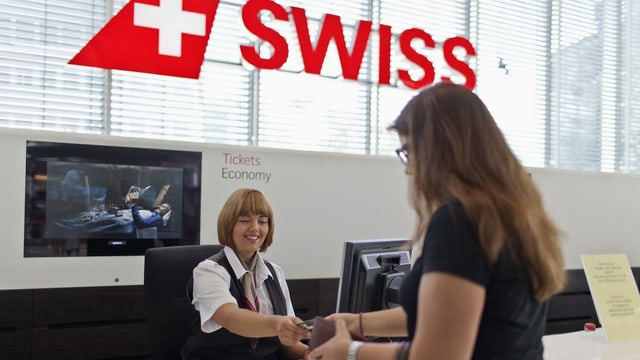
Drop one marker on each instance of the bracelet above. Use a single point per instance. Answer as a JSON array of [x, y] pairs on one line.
[[353, 350], [360, 321], [403, 351]]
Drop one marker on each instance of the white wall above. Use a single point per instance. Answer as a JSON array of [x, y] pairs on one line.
[[598, 212], [320, 200]]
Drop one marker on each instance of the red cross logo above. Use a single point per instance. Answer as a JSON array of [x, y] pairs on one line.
[[165, 37]]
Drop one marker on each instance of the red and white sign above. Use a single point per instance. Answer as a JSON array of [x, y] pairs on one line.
[[166, 37], [169, 37]]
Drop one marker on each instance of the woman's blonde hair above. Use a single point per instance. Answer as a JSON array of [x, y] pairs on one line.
[[243, 202], [454, 143]]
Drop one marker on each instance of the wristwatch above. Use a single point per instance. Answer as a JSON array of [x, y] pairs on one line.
[[353, 349]]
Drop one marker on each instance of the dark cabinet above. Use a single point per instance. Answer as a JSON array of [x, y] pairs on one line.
[[105, 322]]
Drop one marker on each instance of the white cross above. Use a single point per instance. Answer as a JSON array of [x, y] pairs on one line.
[[171, 22]]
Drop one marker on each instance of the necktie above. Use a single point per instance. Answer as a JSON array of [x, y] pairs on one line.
[[251, 296]]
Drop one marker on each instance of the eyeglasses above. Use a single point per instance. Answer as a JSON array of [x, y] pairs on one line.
[[403, 154]]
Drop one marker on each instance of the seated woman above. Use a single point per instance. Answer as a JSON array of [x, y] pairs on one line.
[[243, 300]]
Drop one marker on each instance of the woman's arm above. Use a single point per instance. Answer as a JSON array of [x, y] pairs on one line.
[[337, 347], [382, 323], [248, 323], [295, 351], [449, 312], [220, 309]]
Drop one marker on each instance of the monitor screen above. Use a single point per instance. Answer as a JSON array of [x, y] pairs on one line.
[[372, 272], [93, 200]]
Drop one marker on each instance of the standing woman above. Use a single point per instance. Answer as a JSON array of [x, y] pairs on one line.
[[490, 258], [243, 300]]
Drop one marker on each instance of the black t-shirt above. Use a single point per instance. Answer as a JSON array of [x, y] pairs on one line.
[[512, 323]]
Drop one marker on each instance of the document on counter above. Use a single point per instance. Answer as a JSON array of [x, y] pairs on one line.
[[615, 295]]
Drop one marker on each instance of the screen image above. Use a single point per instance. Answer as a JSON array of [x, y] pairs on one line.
[[91, 200], [371, 275]]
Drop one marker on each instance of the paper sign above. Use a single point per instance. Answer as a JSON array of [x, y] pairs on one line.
[[615, 295]]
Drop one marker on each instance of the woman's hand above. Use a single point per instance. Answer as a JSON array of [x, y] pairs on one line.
[[353, 322], [337, 347], [289, 332]]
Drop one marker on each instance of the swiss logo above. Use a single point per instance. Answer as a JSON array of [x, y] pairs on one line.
[[165, 37], [170, 37]]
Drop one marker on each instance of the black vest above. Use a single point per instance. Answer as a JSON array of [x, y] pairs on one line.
[[223, 344]]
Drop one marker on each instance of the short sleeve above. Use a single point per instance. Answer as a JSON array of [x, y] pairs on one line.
[[451, 245], [211, 284]]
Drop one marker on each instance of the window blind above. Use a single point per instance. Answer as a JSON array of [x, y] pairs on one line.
[[215, 108], [38, 90], [560, 78], [629, 144], [512, 44], [441, 19], [309, 112], [585, 87]]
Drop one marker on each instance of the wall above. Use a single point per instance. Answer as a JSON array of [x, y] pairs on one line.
[[596, 211], [319, 199]]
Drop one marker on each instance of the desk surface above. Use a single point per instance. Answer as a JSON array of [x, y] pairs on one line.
[[588, 345]]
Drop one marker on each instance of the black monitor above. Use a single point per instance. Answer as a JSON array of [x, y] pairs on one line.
[[77, 202], [372, 272]]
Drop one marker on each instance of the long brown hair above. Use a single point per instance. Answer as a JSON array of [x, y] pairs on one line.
[[454, 143], [243, 202]]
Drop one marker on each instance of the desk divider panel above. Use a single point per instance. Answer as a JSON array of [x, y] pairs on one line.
[[569, 310]]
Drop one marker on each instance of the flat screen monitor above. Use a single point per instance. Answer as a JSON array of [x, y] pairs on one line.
[[78, 199], [371, 275]]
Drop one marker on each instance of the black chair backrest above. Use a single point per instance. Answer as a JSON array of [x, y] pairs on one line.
[[169, 313]]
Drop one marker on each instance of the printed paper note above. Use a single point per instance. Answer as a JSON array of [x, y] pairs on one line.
[[615, 295]]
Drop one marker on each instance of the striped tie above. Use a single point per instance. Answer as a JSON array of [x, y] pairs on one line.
[[251, 297]]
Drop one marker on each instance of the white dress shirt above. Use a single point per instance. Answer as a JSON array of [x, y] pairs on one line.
[[211, 283]]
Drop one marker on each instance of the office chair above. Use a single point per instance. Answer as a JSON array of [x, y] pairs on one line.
[[169, 312]]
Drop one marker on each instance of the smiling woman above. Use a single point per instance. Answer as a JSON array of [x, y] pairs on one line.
[[243, 205], [243, 300]]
